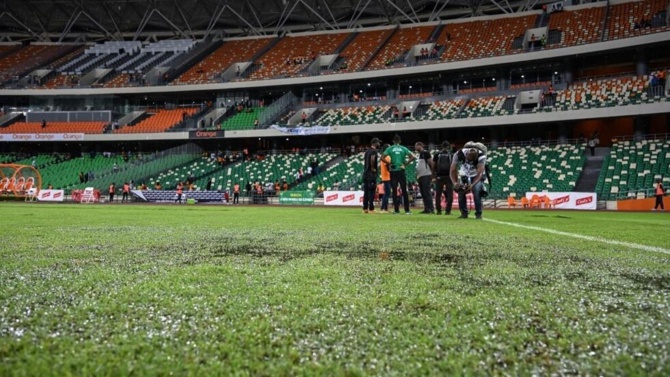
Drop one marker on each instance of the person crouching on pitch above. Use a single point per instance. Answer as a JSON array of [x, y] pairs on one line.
[[467, 170]]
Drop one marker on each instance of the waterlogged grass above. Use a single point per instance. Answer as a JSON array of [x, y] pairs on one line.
[[154, 290]]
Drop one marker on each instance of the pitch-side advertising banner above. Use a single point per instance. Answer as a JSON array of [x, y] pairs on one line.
[[568, 200], [51, 195], [41, 137], [343, 198]]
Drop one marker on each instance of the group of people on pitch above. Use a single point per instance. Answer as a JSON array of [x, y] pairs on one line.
[[464, 172]]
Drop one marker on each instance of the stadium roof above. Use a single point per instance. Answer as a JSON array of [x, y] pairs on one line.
[[91, 20]]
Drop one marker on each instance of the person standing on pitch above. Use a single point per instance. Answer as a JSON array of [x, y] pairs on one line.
[[385, 176], [370, 161], [126, 192], [400, 158], [659, 191], [424, 174], [472, 162], [180, 191], [442, 167], [112, 187]]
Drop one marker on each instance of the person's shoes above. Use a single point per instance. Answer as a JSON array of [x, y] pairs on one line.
[[438, 213], [447, 213], [365, 211], [383, 211], [396, 213], [372, 212], [408, 213], [463, 216], [478, 217]]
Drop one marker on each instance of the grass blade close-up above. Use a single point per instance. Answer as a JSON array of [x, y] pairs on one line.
[[221, 290]]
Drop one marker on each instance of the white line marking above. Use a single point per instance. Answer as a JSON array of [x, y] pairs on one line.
[[588, 238]]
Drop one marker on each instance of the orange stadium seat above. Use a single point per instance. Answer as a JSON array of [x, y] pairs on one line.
[[283, 58], [400, 42], [362, 47], [54, 127], [579, 26], [463, 41], [622, 19], [161, 121], [29, 57], [217, 62]]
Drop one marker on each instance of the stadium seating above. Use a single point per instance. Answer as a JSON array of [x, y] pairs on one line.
[[400, 43], [517, 170], [447, 109], [137, 170], [216, 63], [577, 27], [361, 48], [28, 58], [292, 54], [479, 39], [486, 106], [632, 168], [170, 196], [197, 168], [603, 93], [160, 121], [355, 115], [65, 175], [54, 127], [624, 16], [243, 120], [271, 169]]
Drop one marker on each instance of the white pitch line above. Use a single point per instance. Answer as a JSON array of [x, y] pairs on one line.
[[587, 238]]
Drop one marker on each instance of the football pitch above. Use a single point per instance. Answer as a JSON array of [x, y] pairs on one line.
[[269, 291]]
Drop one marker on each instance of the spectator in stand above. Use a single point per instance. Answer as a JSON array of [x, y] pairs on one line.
[[44, 123], [303, 117], [247, 189], [592, 146], [115, 168], [256, 124], [208, 187], [158, 186], [661, 78], [81, 177]]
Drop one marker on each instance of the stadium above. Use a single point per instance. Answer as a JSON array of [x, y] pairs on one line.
[[113, 113]]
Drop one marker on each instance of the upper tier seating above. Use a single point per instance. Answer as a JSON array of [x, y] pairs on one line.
[[197, 168], [161, 121], [400, 43], [577, 27], [214, 64], [292, 54], [361, 48], [623, 18], [632, 168], [28, 58], [518, 170], [54, 128], [354, 115], [464, 41]]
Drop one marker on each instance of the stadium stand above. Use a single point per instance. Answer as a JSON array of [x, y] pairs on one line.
[[273, 168], [243, 120], [160, 121], [361, 48], [447, 109], [137, 170], [292, 54], [400, 43], [517, 170], [54, 127], [30, 57], [198, 168], [603, 93], [65, 175], [355, 115], [216, 63], [488, 106], [635, 18], [632, 167], [577, 27], [463, 41]]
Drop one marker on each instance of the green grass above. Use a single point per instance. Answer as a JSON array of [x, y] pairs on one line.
[[268, 291]]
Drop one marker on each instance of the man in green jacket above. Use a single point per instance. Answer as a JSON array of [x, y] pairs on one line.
[[400, 158]]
